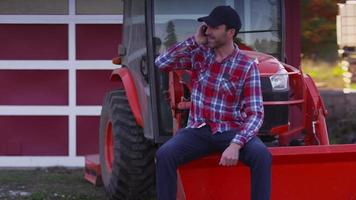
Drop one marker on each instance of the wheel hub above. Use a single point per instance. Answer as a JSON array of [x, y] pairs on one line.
[[109, 147]]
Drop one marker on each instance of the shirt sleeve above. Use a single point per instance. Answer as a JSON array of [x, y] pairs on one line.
[[177, 57], [253, 107]]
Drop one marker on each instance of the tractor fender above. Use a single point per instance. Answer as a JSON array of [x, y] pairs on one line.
[[123, 74], [315, 102], [314, 93]]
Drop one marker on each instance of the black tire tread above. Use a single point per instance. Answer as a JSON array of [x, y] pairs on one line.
[[133, 172]]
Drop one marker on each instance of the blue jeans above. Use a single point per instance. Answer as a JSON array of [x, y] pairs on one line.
[[192, 143]]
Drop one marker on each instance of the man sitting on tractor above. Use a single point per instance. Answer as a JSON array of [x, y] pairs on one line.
[[226, 105]]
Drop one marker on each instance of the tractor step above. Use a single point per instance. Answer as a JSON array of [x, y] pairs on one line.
[[92, 169]]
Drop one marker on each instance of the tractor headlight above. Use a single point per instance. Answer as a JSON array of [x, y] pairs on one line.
[[279, 81]]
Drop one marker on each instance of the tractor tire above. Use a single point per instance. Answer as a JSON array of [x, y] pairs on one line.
[[126, 156]]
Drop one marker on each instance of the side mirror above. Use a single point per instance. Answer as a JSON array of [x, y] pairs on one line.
[[121, 51]]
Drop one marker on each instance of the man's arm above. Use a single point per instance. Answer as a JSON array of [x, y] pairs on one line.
[[253, 107], [180, 55], [254, 110], [177, 57]]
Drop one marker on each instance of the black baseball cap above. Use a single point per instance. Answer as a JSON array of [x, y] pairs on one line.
[[223, 15]]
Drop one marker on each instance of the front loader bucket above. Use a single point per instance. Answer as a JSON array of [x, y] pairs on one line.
[[298, 173]]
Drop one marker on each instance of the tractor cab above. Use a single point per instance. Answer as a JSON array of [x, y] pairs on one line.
[[175, 21]]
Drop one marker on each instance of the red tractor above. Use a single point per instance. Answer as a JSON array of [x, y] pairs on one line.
[[149, 106]]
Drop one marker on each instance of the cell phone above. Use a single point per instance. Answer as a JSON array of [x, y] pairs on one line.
[[204, 28]]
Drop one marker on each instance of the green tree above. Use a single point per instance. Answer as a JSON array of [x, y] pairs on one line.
[[171, 37], [319, 29]]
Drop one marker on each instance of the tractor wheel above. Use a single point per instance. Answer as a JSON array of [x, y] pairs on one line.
[[126, 156]]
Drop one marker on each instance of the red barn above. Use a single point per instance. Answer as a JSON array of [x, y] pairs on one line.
[[55, 60]]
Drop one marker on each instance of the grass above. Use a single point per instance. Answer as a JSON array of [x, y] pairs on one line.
[[353, 86], [326, 75], [47, 184]]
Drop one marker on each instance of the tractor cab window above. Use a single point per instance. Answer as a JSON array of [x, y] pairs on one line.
[[175, 21], [261, 22]]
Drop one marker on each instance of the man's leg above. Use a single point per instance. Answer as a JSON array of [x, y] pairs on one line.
[[186, 145], [255, 155]]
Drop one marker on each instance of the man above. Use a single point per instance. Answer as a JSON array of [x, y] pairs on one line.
[[226, 105]]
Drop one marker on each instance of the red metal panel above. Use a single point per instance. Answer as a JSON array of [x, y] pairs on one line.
[[33, 41], [92, 86], [92, 170], [34, 135], [33, 87], [87, 135], [97, 41], [308, 172], [293, 32]]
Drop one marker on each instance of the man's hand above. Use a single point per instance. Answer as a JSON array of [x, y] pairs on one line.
[[200, 36], [230, 156]]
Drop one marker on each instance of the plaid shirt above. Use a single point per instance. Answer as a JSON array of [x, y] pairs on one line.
[[225, 95]]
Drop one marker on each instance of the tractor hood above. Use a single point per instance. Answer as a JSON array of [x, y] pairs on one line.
[[266, 63]]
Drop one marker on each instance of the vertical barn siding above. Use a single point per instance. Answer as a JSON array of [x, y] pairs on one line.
[[36, 35], [34, 135], [97, 41], [92, 86], [33, 42], [87, 135], [33, 87]]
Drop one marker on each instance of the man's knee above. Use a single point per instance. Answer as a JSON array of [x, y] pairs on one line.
[[165, 152], [161, 153], [263, 156], [258, 154], [267, 157], [172, 147]]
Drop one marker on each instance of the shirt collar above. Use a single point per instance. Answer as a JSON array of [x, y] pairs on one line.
[[230, 57]]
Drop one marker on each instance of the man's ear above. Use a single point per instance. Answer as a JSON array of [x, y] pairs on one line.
[[231, 32]]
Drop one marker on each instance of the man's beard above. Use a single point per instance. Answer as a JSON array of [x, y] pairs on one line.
[[215, 44]]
